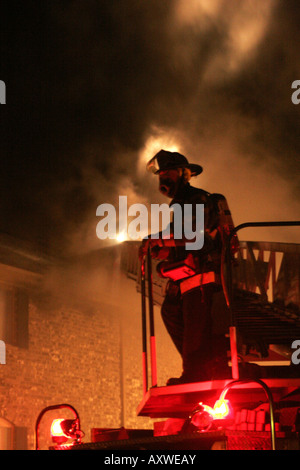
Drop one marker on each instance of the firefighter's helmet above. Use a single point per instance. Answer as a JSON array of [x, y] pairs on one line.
[[166, 160]]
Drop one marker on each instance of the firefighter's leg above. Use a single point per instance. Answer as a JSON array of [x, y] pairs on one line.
[[197, 350], [171, 312]]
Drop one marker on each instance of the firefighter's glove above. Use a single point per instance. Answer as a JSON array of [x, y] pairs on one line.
[[158, 252], [155, 244]]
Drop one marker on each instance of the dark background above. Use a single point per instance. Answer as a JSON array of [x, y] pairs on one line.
[[95, 87]]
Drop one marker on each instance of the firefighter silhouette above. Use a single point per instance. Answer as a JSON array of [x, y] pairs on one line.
[[187, 307]]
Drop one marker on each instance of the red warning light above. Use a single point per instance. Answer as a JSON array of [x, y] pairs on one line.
[[62, 430], [56, 429], [221, 409], [204, 416]]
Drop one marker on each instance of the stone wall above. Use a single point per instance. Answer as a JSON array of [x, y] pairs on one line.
[[84, 348]]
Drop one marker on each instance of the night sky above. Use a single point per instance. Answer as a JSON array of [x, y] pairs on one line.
[[94, 88]]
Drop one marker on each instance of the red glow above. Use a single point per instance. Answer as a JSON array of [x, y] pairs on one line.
[[221, 409], [63, 430], [56, 429]]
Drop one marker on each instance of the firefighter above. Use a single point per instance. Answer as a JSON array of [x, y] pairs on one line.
[[187, 307]]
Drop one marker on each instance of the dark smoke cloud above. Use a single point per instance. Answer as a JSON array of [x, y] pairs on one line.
[[91, 83]]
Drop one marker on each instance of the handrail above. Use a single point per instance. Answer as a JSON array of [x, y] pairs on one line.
[[228, 289], [147, 260], [227, 252], [270, 399]]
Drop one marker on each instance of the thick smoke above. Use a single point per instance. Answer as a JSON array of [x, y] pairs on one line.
[[94, 87]]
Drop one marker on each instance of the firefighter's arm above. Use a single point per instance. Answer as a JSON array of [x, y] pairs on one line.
[[163, 241], [155, 244], [208, 244], [211, 221]]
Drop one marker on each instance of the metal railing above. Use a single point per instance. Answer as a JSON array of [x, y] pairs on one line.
[[228, 283], [253, 273]]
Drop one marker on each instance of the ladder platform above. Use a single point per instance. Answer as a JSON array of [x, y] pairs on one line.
[[177, 401]]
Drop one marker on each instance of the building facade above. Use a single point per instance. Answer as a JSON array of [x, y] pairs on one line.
[[71, 331]]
